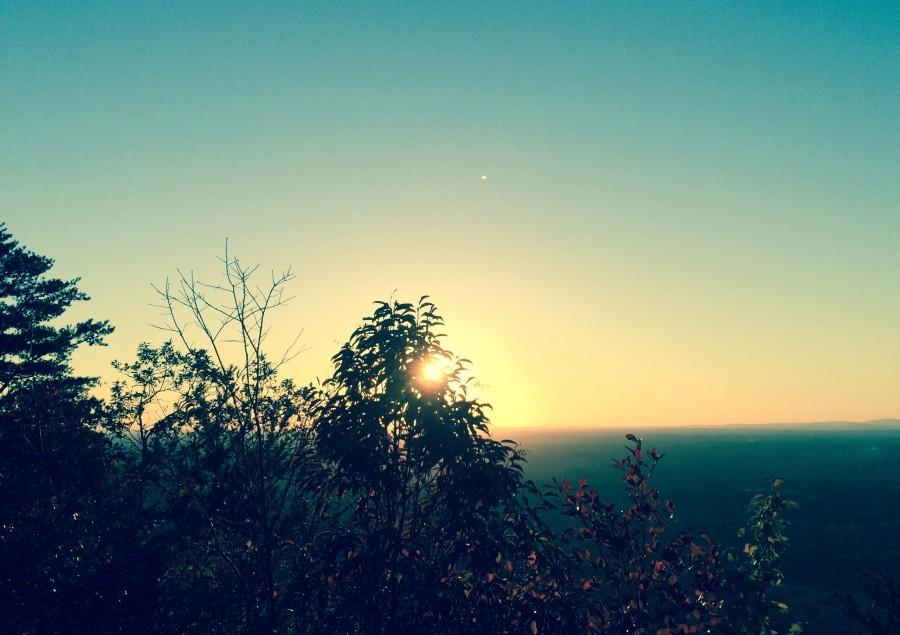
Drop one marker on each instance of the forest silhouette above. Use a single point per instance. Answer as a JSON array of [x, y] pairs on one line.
[[209, 493]]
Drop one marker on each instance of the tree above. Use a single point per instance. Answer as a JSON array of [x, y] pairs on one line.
[[754, 575], [58, 569], [426, 483], [221, 462], [32, 347]]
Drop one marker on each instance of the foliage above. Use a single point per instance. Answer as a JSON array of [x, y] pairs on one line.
[[55, 548], [211, 494], [32, 347], [756, 573], [633, 579], [424, 482], [220, 462]]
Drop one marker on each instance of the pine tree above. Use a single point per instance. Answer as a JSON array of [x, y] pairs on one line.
[[53, 460]]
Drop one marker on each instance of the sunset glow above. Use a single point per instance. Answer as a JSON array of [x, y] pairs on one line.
[[379, 317], [643, 216]]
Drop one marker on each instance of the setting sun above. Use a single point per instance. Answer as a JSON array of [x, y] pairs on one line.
[[434, 370]]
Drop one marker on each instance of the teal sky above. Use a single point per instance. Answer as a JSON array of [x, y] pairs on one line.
[[691, 215]]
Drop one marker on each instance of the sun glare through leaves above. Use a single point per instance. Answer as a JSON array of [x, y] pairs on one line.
[[433, 372]]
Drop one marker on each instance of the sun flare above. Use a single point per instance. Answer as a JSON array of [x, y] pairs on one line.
[[434, 370]]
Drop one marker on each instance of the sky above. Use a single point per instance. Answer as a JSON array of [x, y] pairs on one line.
[[691, 213]]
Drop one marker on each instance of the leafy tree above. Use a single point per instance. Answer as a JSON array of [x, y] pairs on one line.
[[426, 484], [755, 575]]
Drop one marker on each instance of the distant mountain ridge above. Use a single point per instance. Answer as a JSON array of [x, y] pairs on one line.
[[874, 424]]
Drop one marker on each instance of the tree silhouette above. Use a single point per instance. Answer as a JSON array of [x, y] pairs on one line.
[[53, 464], [426, 481], [221, 459], [32, 347]]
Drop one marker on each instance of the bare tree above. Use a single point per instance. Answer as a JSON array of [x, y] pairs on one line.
[[221, 436]]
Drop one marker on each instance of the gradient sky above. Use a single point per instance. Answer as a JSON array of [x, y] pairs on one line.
[[691, 216]]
